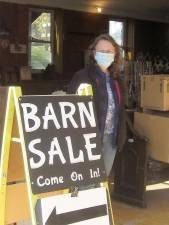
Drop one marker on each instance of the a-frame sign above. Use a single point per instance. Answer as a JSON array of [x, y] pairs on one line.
[[48, 146], [14, 203]]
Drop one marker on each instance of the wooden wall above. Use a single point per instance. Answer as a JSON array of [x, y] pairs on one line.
[[16, 19], [77, 30], [152, 37]]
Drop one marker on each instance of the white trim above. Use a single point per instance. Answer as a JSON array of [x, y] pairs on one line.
[[18, 140]]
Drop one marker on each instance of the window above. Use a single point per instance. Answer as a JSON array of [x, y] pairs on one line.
[[40, 39], [116, 30]]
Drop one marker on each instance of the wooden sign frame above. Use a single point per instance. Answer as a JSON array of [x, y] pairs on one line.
[[17, 202]]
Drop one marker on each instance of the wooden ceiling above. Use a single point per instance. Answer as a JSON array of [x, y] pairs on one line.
[[157, 10]]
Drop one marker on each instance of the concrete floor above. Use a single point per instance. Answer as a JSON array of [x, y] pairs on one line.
[[156, 213]]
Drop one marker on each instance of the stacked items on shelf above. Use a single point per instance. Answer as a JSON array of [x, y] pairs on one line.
[[144, 64], [133, 70], [153, 122]]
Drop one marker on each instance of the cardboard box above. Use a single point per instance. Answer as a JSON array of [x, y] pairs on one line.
[[156, 129], [155, 92]]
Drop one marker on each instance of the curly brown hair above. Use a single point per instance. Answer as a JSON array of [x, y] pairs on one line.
[[114, 68]]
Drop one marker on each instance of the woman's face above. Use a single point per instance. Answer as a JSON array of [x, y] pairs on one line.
[[104, 54], [105, 46]]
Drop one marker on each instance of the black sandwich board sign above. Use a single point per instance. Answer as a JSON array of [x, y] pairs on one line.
[[50, 143], [62, 142]]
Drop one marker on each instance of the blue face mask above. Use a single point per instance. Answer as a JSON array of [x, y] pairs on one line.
[[104, 59]]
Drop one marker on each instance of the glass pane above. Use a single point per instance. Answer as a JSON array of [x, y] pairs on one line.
[[116, 31], [40, 26], [41, 55]]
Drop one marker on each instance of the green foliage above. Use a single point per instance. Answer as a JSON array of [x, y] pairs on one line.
[[41, 27], [40, 56], [40, 32]]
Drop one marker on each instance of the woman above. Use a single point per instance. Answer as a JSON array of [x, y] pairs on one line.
[[103, 74]]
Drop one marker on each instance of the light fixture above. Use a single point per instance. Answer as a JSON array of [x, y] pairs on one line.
[[99, 9]]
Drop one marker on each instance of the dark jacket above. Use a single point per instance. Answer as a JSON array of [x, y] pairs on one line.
[[91, 75]]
